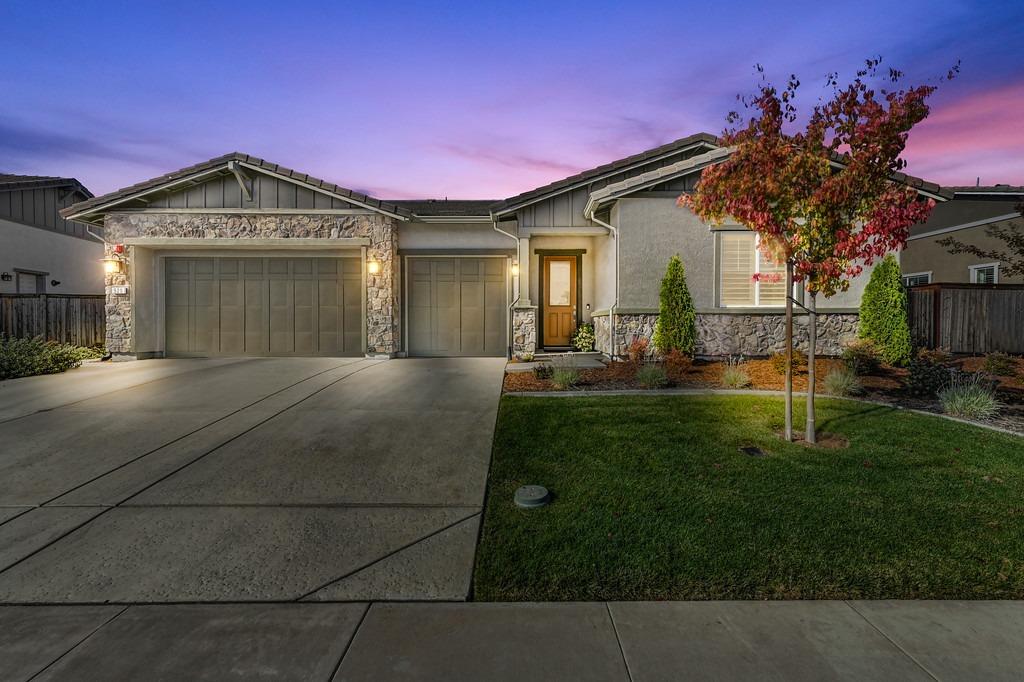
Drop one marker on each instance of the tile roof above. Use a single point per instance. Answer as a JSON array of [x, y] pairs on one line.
[[10, 182], [606, 169], [212, 164], [446, 207]]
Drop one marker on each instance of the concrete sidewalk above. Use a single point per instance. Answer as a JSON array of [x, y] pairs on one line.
[[637, 642]]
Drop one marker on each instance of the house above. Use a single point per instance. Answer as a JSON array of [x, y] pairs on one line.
[[40, 251], [238, 255], [968, 217]]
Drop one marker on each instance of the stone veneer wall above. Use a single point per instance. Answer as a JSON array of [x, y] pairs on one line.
[[725, 334], [524, 330], [382, 315]]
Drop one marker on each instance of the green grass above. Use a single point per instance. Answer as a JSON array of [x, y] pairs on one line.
[[653, 500]]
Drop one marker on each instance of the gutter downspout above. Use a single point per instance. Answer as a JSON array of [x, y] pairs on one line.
[[508, 311], [611, 311]]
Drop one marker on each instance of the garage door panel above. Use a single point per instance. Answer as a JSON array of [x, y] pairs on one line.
[[282, 314], [456, 306]]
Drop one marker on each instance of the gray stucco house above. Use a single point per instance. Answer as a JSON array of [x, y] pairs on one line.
[[968, 217], [238, 255]]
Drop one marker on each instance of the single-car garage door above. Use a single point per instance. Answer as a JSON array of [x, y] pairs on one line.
[[457, 306], [264, 306]]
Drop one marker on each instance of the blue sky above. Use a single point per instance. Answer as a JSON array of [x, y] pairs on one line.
[[469, 99]]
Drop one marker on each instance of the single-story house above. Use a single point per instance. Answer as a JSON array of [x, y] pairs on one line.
[[40, 251], [238, 255], [968, 217]]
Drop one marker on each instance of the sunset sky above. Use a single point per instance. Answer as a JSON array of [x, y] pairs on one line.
[[470, 99]]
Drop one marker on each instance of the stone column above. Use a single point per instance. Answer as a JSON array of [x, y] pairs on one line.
[[382, 314]]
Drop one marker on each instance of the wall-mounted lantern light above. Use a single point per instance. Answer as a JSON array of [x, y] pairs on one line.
[[515, 268], [111, 264], [6, 276], [373, 266]]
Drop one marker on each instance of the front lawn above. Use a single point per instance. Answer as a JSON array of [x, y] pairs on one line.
[[653, 500]]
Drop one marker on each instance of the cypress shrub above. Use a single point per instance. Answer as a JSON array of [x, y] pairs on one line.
[[883, 313], [676, 328]]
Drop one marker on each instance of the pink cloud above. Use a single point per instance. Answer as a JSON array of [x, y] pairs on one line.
[[980, 134]]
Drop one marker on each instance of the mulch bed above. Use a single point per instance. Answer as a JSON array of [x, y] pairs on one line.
[[886, 385]]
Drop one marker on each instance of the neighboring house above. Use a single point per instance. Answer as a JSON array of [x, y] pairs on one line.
[[241, 256], [40, 251], [967, 217]]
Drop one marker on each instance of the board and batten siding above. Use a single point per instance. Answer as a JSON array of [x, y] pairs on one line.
[[40, 208], [566, 209], [267, 192]]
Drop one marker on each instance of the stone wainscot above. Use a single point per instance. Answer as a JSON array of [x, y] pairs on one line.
[[727, 334], [382, 314]]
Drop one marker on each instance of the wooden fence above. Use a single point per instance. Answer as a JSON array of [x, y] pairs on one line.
[[968, 318], [80, 320]]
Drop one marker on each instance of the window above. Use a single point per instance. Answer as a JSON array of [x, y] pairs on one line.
[[984, 274], [914, 279], [740, 261]]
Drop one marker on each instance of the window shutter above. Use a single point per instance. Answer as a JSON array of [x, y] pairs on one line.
[[737, 268]]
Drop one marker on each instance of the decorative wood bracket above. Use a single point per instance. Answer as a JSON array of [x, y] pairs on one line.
[[244, 181]]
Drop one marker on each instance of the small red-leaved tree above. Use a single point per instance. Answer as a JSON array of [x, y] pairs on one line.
[[823, 199]]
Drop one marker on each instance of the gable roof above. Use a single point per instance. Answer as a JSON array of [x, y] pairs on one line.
[[658, 175], [565, 184], [11, 182], [195, 174], [455, 208]]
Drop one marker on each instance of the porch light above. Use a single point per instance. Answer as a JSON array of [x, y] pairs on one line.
[[373, 266], [515, 268], [111, 264]]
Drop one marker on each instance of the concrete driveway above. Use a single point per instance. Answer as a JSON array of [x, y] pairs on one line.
[[270, 479]]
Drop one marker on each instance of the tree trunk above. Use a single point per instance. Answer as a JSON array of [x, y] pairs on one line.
[[789, 350], [812, 331]]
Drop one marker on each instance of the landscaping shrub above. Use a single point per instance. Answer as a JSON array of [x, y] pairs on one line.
[[583, 339], [676, 327], [565, 377], [526, 357], [637, 350], [651, 376], [926, 378], [29, 357], [883, 312], [970, 395], [543, 371], [734, 374], [778, 361], [1000, 364], [842, 381], [677, 362], [862, 356]]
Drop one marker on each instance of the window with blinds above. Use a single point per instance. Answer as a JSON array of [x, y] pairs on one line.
[[985, 274], [740, 260]]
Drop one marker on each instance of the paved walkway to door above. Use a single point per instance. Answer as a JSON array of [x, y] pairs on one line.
[[245, 480]]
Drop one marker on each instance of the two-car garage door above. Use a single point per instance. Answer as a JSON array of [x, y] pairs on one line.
[[264, 306], [457, 306]]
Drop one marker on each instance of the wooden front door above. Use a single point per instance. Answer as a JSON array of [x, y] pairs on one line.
[[559, 300]]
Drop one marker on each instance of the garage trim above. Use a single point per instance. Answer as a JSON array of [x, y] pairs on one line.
[[241, 243]]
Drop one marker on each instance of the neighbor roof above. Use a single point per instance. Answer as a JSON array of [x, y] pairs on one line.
[[986, 189], [600, 171], [11, 182], [180, 175], [455, 208]]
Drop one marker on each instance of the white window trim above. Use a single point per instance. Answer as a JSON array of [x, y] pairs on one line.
[[757, 271], [908, 275], [973, 270]]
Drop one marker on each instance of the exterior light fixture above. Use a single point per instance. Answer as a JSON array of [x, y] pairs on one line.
[[373, 266], [6, 276], [111, 265], [515, 268]]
